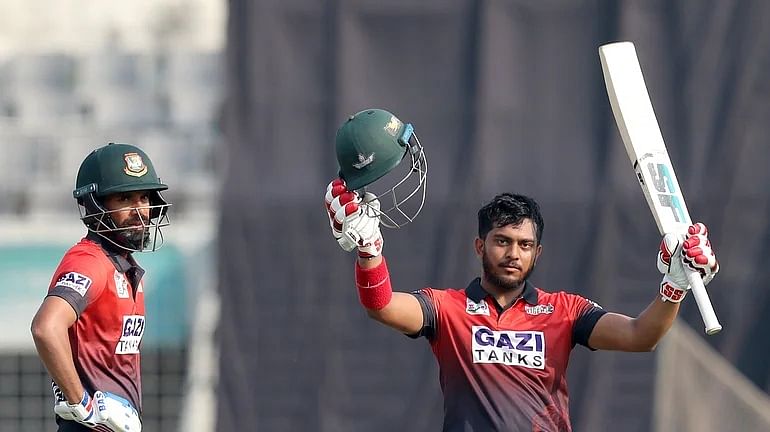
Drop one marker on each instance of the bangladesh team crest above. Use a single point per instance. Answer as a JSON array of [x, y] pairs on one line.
[[393, 126], [134, 165]]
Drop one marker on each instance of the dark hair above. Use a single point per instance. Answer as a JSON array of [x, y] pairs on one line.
[[510, 209]]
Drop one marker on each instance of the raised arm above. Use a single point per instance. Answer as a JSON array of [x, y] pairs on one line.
[[354, 222], [619, 332], [397, 310], [622, 333]]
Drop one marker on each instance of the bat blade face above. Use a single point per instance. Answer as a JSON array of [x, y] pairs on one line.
[[630, 101], [641, 135]]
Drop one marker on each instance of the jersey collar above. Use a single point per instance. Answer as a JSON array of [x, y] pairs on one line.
[[122, 263], [477, 293]]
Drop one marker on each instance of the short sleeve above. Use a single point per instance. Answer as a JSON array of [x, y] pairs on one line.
[[429, 302], [585, 314], [79, 280]]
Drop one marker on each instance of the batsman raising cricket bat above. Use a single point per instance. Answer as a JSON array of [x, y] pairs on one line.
[[644, 143], [502, 344]]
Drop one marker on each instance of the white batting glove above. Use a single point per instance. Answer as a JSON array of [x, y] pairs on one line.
[[354, 221], [338, 198], [83, 412], [116, 413], [679, 254], [363, 227], [104, 410]]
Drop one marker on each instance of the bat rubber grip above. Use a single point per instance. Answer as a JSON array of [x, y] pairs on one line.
[[704, 303]]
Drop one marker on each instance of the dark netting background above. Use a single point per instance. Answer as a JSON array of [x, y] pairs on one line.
[[505, 96]]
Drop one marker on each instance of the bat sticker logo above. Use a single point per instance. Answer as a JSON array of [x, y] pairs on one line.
[[668, 195]]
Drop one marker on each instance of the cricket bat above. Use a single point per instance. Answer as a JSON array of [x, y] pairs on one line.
[[641, 135]]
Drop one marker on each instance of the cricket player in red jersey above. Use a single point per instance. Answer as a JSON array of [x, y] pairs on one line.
[[501, 343], [89, 328]]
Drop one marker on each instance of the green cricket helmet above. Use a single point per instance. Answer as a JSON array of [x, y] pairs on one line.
[[120, 168], [371, 146]]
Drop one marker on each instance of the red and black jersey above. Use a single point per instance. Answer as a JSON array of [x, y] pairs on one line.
[[504, 369], [105, 290]]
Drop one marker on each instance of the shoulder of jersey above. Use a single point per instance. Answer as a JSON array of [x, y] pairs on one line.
[[458, 293], [85, 248], [546, 296]]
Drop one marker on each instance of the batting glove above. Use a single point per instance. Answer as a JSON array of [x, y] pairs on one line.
[[354, 220], [339, 199], [83, 412], [679, 254], [697, 253], [105, 411], [116, 413]]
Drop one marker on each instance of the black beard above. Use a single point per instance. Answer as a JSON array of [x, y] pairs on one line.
[[137, 239], [134, 234], [502, 284]]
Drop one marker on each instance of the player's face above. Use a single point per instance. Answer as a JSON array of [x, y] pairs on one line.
[[508, 254], [130, 210]]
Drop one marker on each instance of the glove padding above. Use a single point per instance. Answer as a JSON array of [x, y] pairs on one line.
[[117, 413], [103, 411], [680, 254], [83, 412], [354, 220]]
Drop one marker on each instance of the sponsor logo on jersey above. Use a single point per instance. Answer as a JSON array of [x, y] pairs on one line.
[[508, 347], [131, 336], [75, 281], [473, 308], [539, 309], [121, 284]]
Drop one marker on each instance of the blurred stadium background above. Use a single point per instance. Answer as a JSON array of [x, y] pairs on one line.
[[253, 324]]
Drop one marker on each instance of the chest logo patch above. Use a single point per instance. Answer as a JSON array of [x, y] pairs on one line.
[[473, 308], [131, 335], [539, 309], [508, 347], [75, 281], [121, 285]]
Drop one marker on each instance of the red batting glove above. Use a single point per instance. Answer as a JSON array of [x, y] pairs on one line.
[[340, 203], [698, 254], [354, 220]]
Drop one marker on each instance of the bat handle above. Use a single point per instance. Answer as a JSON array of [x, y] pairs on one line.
[[704, 303]]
